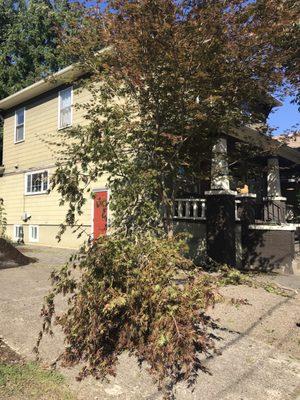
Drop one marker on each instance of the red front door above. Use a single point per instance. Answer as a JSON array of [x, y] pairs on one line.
[[100, 214]]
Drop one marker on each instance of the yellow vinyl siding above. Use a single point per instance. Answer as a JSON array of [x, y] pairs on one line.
[[41, 125], [47, 236], [11, 191], [44, 210]]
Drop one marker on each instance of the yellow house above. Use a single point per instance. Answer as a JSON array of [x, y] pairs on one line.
[[32, 117]]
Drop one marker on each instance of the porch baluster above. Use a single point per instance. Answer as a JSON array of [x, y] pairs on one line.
[[187, 209], [203, 206], [195, 209], [180, 209]]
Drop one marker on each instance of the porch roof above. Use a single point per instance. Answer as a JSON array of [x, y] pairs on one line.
[[249, 134]]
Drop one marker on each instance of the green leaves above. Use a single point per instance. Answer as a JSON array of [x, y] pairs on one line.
[[29, 41], [116, 302], [163, 340]]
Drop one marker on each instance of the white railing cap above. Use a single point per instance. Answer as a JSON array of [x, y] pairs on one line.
[[190, 199]]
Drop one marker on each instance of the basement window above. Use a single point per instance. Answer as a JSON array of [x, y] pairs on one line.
[[65, 100], [18, 233], [20, 125], [36, 182], [33, 233]]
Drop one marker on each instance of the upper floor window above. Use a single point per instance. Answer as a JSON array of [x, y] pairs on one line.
[[36, 182], [65, 108], [19, 125]]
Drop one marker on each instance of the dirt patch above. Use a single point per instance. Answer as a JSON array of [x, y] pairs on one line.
[[8, 356], [10, 256]]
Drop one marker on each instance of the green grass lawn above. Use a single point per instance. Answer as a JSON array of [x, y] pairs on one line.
[[29, 381]]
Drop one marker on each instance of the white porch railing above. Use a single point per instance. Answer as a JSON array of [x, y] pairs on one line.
[[195, 209], [189, 209]]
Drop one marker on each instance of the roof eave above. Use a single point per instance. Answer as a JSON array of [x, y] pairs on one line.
[[268, 144], [65, 75]]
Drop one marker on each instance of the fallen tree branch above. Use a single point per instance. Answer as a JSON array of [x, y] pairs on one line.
[[286, 288]]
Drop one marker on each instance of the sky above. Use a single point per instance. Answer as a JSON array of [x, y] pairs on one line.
[[284, 117]]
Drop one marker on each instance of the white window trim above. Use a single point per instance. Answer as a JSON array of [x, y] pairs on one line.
[[59, 100], [31, 239], [24, 124], [15, 238], [35, 193]]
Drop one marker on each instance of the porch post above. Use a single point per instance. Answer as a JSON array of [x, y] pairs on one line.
[[274, 203], [220, 209], [219, 166], [273, 178]]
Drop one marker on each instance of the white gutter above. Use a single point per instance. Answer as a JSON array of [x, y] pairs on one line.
[[67, 74]]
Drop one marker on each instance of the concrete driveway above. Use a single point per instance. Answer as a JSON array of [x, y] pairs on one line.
[[260, 342]]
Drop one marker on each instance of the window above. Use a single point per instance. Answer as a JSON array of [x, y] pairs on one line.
[[36, 182], [33, 233], [65, 108], [20, 125], [18, 233]]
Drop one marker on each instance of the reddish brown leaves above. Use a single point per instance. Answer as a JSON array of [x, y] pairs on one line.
[[126, 299]]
